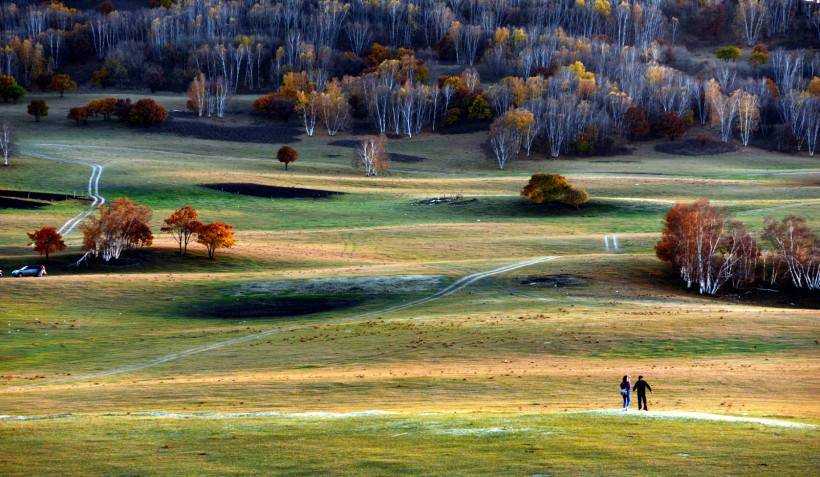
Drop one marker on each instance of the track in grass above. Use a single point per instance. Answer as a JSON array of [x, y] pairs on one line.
[[459, 284], [93, 191]]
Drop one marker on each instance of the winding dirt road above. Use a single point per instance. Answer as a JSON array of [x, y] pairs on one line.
[[93, 190]]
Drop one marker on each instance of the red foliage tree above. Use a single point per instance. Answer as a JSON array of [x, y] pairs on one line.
[[215, 235], [670, 124], [79, 114], [286, 155], [46, 240], [712, 19], [147, 112], [182, 225], [635, 123]]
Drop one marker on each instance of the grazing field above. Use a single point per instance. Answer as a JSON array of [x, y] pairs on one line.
[[375, 332]]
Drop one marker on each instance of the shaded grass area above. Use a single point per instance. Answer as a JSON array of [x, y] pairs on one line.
[[259, 307], [438, 444], [271, 192]]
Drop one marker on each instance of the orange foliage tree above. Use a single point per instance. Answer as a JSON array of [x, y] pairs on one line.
[[546, 188], [103, 106], [123, 225], [706, 247], [46, 240], [62, 83], [286, 155], [215, 235], [182, 225]]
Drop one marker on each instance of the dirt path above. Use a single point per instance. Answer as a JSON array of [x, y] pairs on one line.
[[665, 415], [451, 289], [93, 190]]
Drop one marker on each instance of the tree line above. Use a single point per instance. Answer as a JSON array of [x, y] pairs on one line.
[[578, 66], [122, 226], [710, 250]]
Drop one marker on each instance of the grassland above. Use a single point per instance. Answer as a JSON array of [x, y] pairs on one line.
[[496, 379]]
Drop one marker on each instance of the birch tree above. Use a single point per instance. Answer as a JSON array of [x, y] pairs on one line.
[[748, 116], [8, 141], [371, 155]]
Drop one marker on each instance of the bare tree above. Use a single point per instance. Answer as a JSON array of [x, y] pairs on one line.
[[722, 109], [751, 16], [8, 141]]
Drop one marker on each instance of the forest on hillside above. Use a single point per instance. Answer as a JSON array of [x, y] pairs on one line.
[[559, 76]]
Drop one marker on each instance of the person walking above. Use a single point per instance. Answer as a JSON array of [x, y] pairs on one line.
[[626, 387], [641, 386]]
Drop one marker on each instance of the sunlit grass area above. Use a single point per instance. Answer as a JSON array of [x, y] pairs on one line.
[[335, 305]]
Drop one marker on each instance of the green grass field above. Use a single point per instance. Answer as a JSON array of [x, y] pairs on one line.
[[311, 348]]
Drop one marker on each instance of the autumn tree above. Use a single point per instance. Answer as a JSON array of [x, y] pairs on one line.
[[286, 155], [198, 95], [670, 124], [79, 114], [705, 247], [635, 123], [507, 132], [748, 116], [275, 105], [121, 225], [147, 112], [333, 108], [722, 109], [546, 188], [61, 83], [575, 197], [8, 141], [103, 106], [38, 108], [215, 235], [728, 53], [308, 105], [182, 225], [46, 240], [796, 251], [371, 155]]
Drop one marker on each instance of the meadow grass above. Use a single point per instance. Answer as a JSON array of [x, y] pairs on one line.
[[501, 364]]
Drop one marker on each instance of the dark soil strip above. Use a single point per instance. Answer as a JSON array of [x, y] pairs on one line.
[[273, 192], [9, 203], [22, 194]]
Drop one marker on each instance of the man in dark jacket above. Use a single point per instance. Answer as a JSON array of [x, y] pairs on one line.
[[641, 386]]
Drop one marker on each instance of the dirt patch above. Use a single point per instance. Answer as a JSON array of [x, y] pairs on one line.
[[555, 281], [691, 147], [272, 192], [205, 129], [382, 285], [274, 307], [20, 199]]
